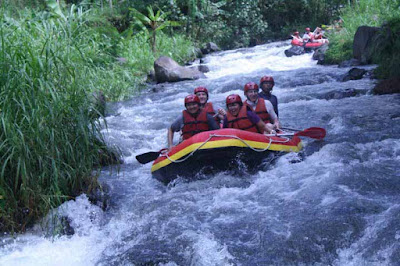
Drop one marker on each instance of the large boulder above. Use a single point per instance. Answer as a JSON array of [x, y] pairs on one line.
[[203, 68], [319, 54], [363, 43], [210, 47], [388, 86], [294, 50], [354, 74], [350, 63], [167, 70], [340, 94]]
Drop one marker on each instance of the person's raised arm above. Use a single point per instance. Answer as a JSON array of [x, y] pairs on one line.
[[265, 127], [175, 127], [170, 138]]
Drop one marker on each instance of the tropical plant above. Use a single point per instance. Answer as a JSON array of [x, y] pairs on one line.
[[153, 22]]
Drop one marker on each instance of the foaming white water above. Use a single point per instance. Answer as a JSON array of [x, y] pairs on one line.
[[269, 56], [83, 248], [244, 219], [208, 251], [359, 253]]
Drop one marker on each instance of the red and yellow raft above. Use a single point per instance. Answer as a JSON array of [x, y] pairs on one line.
[[220, 150], [310, 45]]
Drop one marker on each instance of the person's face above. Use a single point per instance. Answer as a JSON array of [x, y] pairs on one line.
[[234, 108], [203, 97], [267, 86], [252, 95], [192, 108]]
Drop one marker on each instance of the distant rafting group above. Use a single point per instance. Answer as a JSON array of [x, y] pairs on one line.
[[306, 43], [317, 36]]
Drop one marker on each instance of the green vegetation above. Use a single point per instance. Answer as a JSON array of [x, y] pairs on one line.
[[387, 50], [56, 54], [155, 22], [51, 63], [372, 13], [49, 143]]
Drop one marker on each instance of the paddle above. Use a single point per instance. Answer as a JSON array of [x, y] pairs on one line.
[[290, 129], [149, 156], [312, 132]]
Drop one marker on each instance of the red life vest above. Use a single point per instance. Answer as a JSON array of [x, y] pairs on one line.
[[193, 125], [241, 121], [208, 107], [261, 110]]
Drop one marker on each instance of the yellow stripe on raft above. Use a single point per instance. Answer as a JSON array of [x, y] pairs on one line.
[[226, 143]]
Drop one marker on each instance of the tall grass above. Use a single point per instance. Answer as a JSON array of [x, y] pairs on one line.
[[360, 13], [48, 140], [50, 65], [140, 58]]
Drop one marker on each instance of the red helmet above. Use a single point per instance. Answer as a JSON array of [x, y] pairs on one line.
[[267, 79], [233, 98], [201, 89], [250, 86], [296, 33], [192, 99], [308, 29]]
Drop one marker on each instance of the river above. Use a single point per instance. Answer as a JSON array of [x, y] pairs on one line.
[[335, 203]]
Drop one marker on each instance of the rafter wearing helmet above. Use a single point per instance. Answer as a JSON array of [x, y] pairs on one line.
[[240, 116], [193, 120], [267, 83], [203, 95], [263, 108]]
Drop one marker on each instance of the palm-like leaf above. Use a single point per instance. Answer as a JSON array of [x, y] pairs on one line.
[[156, 22]]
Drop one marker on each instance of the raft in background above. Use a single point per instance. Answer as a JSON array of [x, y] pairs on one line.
[[220, 150], [308, 45], [299, 48]]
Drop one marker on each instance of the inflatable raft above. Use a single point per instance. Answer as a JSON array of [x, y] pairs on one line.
[[309, 45], [220, 150]]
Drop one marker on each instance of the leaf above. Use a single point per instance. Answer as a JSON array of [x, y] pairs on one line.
[[55, 8]]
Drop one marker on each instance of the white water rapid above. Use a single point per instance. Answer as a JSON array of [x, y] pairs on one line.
[[336, 203]]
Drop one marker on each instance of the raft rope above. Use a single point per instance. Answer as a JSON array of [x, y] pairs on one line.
[[222, 136]]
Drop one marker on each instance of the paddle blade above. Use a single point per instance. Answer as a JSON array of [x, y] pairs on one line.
[[312, 132], [147, 157]]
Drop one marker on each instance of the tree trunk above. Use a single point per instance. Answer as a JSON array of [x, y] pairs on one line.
[[153, 42]]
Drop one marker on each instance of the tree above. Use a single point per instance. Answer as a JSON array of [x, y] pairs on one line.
[[153, 22]]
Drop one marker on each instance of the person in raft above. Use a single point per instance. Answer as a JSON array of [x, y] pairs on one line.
[[319, 36], [263, 108], [202, 93], [308, 36], [296, 36], [192, 121], [240, 116], [266, 85]]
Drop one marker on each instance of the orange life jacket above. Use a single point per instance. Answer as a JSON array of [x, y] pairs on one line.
[[193, 125], [261, 110], [208, 107], [241, 121]]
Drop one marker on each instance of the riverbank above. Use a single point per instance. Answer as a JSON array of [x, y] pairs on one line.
[[383, 46], [52, 62]]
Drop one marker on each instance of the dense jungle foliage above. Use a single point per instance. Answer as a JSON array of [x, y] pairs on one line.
[[374, 13], [56, 53]]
